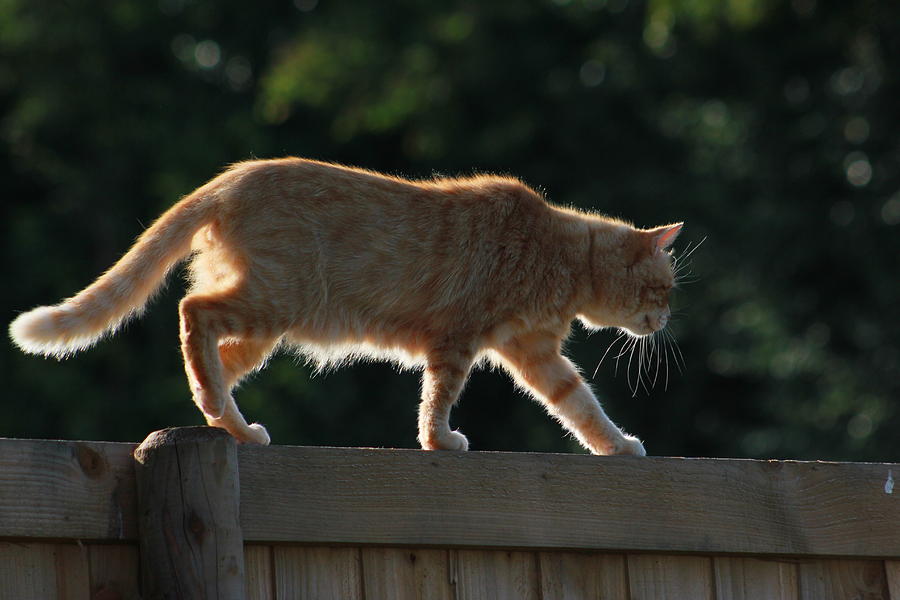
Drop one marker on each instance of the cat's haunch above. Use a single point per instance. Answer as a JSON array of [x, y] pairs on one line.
[[342, 263]]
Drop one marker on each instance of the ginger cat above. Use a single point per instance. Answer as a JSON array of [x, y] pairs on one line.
[[342, 263]]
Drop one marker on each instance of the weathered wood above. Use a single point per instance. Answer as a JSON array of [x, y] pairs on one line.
[[258, 572], [864, 579], [318, 573], [651, 577], [85, 490], [755, 579], [43, 571], [188, 496], [114, 571], [66, 490], [28, 571], [406, 574], [72, 572], [496, 574], [337, 495], [576, 575], [892, 569]]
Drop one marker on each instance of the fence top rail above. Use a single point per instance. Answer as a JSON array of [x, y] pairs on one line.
[[86, 491]]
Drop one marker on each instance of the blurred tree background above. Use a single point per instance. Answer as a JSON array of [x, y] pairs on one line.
[[771, 128]]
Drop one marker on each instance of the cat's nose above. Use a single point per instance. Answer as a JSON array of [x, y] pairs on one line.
[[664, 319]]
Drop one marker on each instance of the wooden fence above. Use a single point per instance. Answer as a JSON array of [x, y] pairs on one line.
[[368, 523]]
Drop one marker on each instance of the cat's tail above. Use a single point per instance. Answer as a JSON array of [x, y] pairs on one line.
[[120, 293]]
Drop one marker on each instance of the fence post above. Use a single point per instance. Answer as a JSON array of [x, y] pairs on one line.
[[188, 496]]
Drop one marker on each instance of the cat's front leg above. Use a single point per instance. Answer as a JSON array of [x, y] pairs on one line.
[[442, 382], [537, 366]]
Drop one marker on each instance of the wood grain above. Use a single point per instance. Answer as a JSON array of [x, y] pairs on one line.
[[317, 573], [72, 572], [407, 574], [485, 499], [576, 576], [188, 499], [44, 572], [892, 570], [858, 579], [259, 576], [28, 571], [114, 571], [85, 490], [755, 579], [651, 577], [67, 490], [495, 574]]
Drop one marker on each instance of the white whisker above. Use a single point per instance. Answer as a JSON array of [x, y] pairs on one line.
[[611, 344], [679, 358], [655, 348]]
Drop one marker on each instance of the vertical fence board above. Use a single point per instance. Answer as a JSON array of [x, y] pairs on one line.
[[406, 574], [27, 571], [72, 572], [572, 575], [114, 571], [863, 579], [495, 574], [651, 577], [755, 579], [892, 569], [317, 573], [258, 575]]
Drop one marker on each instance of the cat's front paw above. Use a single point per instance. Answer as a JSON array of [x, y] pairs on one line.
[[629, 445], [452, 440]]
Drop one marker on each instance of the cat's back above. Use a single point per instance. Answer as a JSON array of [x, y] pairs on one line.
[[309, 190]]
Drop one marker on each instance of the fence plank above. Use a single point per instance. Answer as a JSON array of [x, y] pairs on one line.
[[892, 569], [85, 490], [27, 571], [72, 572], [487, 499], [495, 574], [843, 579], [406, 574], [755, 579], [317, 573], [651, 577], [114, 571], [66, 490], [574, 576], [258, 572]]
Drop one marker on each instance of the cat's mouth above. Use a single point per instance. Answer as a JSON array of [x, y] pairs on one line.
[[651, 324]]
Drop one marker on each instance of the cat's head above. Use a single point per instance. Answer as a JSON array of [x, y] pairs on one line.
[[632, 280]]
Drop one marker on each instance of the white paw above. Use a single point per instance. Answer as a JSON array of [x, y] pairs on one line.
[[452, 440], [258, 435], [629, 445]]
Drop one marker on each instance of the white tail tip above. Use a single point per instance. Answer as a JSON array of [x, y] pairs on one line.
[[43, 331]]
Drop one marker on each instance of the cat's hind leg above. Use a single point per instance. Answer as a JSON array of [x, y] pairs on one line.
[[234, 423], [240, 356], [205, 319], [536, 364], [443, 380]]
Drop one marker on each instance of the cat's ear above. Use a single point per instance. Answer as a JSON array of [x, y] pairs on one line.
[[663, 237]]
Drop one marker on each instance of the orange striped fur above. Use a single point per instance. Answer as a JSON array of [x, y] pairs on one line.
[[342, 263]]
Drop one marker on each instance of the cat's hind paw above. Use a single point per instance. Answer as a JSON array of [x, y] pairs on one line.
[[452, 440], [257, 434]]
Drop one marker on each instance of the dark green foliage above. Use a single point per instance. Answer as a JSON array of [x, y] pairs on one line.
[[771, 128]]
